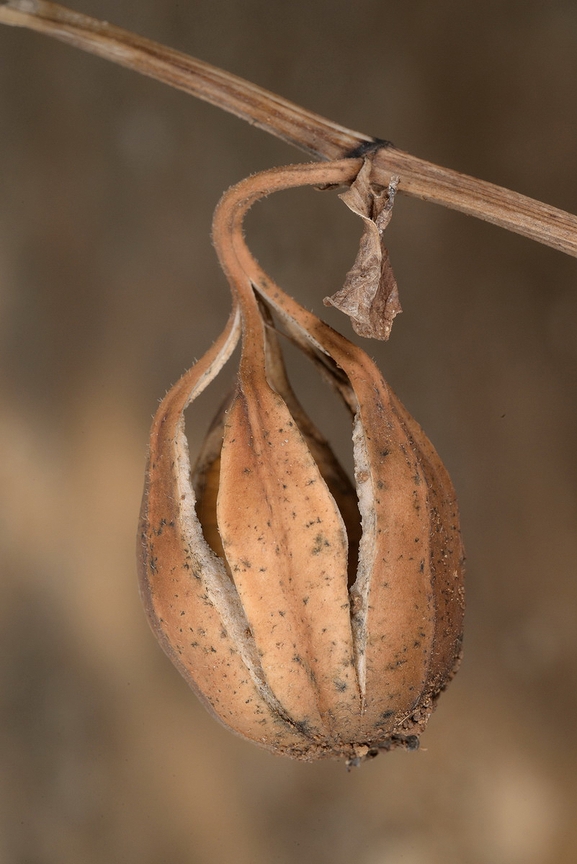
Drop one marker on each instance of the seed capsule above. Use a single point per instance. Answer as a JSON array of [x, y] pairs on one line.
[[317, 619]]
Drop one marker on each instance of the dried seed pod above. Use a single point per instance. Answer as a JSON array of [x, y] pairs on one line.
[[314, 624]]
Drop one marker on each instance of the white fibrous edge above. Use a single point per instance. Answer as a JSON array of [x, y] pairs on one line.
[[361, 587]]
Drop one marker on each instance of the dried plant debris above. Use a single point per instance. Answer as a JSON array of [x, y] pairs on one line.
[[370, 296]]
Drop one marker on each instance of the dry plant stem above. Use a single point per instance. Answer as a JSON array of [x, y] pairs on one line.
[[304, 129]]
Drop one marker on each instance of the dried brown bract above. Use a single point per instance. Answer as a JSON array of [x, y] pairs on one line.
[[313, 617], [370, 296]]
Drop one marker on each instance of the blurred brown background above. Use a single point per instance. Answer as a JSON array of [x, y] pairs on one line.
[[109, 289]]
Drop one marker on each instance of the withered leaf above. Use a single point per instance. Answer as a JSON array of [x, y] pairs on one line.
[[370, 296]]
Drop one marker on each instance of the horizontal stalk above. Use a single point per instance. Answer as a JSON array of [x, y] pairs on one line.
[[316, 135]]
